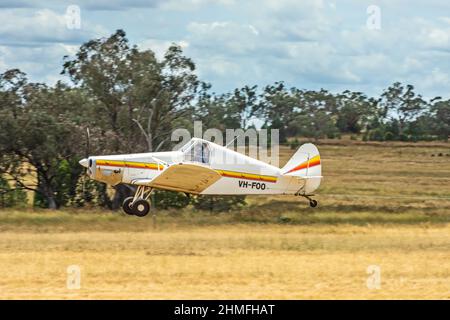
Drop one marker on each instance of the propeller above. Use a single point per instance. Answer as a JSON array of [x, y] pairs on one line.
[[84, 162]]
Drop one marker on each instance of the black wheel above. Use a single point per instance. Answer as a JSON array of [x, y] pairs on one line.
[[313, 203], [141, 207], [126, 206]]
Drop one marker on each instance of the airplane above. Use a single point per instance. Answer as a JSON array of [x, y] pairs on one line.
[[202, 167]]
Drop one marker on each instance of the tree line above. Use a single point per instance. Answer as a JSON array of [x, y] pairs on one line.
[[120, 99]]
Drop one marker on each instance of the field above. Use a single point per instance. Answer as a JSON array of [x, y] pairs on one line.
[[381, 205]]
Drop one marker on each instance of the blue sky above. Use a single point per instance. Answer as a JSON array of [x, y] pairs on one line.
[[308, 44]]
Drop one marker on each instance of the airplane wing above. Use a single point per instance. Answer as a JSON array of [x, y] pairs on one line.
[[183, 177]]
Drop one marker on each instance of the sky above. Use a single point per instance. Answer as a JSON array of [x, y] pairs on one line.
[[336, 45]]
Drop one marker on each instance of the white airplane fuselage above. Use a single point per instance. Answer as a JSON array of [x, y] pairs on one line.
[[239, 174]]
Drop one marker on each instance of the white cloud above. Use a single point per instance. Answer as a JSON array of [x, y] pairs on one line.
[[221, 37], [42, 64], [191, 5], [35, 41], [299, 8], [42, 26], [106, 5], [433, 37], [224, 67], [436, 78]]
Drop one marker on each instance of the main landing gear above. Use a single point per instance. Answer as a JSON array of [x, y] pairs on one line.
[[139, 205]]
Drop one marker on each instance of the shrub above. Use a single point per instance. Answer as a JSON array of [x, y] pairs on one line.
[[218, 203], [170, 199], [376, 135], [365, 137], [388, 136], [294, 144]]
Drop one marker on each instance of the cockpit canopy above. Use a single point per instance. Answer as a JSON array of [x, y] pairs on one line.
[[197, 150]]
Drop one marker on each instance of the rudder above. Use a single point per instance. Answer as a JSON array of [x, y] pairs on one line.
[[305, 164]]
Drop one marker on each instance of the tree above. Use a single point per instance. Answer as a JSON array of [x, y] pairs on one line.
[[232, 110], [316, 114], [440, 112], [36, 136], [277, 108], [401, 103], [355, 111], [102, 68], [160, 106]]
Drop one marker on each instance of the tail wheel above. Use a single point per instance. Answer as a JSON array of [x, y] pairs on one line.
[[313, 203], [141, 207], [126, 206]]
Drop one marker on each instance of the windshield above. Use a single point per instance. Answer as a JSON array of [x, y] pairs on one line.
[[197, 151], [187, 145]]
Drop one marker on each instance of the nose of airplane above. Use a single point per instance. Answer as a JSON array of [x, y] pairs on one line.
[[84, 162]]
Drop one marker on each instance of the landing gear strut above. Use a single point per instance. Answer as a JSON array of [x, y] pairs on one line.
[[312, 203], [139, 205]]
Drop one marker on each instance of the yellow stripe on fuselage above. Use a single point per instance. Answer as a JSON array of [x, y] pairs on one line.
[[129, 164], [246, 176]]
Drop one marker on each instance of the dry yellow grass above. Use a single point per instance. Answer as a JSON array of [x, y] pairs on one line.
[[386, 205], [245, 262]]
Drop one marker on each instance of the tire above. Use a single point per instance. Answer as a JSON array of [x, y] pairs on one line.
[[126, 206], [313, 203], [141, 208]]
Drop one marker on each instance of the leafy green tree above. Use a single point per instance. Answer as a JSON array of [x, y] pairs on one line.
[[226, 111], [403, 104], [277, 107], [161, 109], [355, 111], [316, 114], [139, 97], [440, 112], [35, 135]]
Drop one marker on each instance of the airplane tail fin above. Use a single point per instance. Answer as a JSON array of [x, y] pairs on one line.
[[305, 164]]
